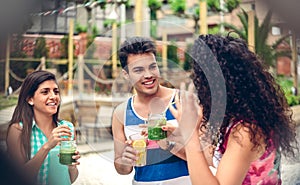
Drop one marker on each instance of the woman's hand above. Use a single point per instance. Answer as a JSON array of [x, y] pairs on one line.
[[76, 157], [188, 114], [73, 171], [60, 133]]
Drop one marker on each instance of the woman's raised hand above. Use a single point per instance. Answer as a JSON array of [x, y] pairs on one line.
[[188, 113], [58, 134]]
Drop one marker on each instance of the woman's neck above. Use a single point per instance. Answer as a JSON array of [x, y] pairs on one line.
[[44, 122]]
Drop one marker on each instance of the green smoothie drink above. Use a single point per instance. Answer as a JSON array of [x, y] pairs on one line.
[[67, 150], [155, 122]]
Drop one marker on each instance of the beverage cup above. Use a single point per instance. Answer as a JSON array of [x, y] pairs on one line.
[[155, 122], [66, 151], [139, 144]]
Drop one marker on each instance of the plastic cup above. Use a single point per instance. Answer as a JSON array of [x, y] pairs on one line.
[[67, 150], [139, 144], [155, 122]]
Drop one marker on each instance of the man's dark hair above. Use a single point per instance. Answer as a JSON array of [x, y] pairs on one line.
[[135, 45]]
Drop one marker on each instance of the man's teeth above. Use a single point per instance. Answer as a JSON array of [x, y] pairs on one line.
[[148, 83]]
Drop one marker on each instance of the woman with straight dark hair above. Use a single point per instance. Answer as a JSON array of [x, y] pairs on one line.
[[35, 132]]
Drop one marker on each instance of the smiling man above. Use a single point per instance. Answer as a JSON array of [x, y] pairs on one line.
[[165, 160]]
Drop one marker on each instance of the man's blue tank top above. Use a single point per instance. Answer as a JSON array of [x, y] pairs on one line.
[[161, 164]]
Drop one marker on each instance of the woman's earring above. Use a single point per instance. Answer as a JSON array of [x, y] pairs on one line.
[[30, 103]]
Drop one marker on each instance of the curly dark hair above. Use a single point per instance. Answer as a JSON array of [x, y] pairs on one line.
[[135, 45], [250, 93]]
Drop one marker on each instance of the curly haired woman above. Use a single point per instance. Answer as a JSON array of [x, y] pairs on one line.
[[250, 116]]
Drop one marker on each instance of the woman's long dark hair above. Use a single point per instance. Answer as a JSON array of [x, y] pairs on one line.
[[24, 112], [251, 94]]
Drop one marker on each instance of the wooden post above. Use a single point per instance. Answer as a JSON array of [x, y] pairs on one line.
[[294, 64], [43, 63], [7, 63], [222, 29], [251, 31], [80, 75], [114, 49], [70, 57], [203, 17], [164, 54], [138, 17], [123, 20]]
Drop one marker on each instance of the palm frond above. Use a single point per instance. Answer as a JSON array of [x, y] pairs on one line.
[[280, 40], [240, 32], [244, 20], [265, 27]]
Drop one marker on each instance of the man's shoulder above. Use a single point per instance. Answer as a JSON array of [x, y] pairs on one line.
[[121, 107]]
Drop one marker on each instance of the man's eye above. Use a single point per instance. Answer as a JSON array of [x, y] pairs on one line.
[[138, 70], [153, 67]]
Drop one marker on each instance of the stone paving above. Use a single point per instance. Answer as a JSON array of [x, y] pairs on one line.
[[98, 169], [97, 166]]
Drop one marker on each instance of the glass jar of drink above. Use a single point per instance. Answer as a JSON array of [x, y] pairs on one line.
[[67, 150], [155, 122]]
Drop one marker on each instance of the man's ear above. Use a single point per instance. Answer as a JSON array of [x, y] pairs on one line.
[[125, 74]]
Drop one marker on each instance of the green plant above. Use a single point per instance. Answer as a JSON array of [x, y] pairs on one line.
[[232, 4], [80, 29], [287, 86], [8, 102], [17, 46], [154, 5], [178, 6], [213, 5], [262, 48], [172, 55], [187, 58], [40, 49]]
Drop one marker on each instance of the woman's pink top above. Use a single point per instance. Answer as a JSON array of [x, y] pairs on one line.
[[263, 171]]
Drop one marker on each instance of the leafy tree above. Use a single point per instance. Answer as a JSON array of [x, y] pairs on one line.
[[196, 18], [230, 5], [91, 48], [262, 48], [64, 46], [17, 46], [178, 6], [187, 58], [40, 49], [80, 28], [172, 55], [154, 5], [213, 5]]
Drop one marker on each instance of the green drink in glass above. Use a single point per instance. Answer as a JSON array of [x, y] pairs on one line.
[[155, 122], [67, 150]]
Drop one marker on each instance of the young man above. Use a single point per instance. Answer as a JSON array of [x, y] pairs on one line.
[[165, 160]]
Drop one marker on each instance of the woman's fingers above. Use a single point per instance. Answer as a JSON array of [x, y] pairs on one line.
[[176, 112], [62, 130], [169, 128], [76, 156]]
